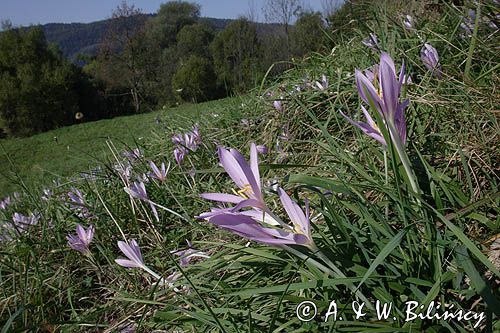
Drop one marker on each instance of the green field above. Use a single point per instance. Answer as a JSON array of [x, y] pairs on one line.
[[69, 150], [406, 214]]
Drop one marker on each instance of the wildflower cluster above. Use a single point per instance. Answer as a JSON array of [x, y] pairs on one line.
[[186, 142]]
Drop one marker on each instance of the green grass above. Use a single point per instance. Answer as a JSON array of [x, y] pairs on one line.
[[67, 151], [426, 230]]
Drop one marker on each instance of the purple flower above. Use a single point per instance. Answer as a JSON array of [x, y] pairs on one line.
[[430, 58], [138, 190], [179, 154], [187, 255], [371, 41], [81, 241], [132, 155], [5, 202], [408, 23], [76, 198], [384, 95], [132, 251], [245, 176], [160, 174], [191, 141], [255, 224], [47, 194], [278, 106], [77, 203], [22, 222], [323, 85], [177, 139], [262, 149], [196, 134]]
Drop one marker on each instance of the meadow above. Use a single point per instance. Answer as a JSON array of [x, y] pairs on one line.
[[339, 181]]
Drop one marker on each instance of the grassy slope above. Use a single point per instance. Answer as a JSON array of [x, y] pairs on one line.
[[78, 148]]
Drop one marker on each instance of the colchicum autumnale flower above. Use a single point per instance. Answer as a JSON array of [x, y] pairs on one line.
[[245, 176], [430, 58], [383, 92], [22, 222], [323, 85], [81, 241], [278, 106], [371, 41], [160, 174], [5, 202], [258, 223], [77, 203], [408, 23], [138, 190]]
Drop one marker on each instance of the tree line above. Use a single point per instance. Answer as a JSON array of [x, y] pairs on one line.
[[146, 62]]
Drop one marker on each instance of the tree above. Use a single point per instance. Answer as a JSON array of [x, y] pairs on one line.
[[37, 85], [119, 55], [308, 34], [235, 53], [194, 79], [194, 39], [283, 11], [171, 18]]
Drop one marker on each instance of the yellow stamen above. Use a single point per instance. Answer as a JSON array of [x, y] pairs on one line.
[[244, 192]]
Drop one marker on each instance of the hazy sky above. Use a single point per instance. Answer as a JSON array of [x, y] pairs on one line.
[[25, 12]]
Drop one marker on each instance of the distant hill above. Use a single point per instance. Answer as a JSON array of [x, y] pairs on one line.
[[85, 38]]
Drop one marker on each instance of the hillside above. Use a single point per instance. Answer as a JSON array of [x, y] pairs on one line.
[[85, 38], [69, 151], [356, 192]]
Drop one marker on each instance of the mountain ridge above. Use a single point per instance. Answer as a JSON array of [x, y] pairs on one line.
[[76, 39]]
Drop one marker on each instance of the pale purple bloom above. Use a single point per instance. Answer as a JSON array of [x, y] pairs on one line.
[[384, 95], [278, 105], [22, 222], [408, 23], [77, 203], [245, 123], [138, 190], [190, 141], [262, 149], [81, 241], [76, 198], [245, 176], [254, 224], [47, 194], [125, 172], [133, 155], [371, 41], [160, 174], [179, 154], [177, 139], [323, 85], [468, 22], [5, 202], [187, 255], [132, 251], [372, 75], [430, 58], [196, 134]]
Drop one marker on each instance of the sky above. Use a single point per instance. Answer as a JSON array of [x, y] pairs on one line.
[[26, 12]]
